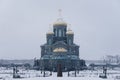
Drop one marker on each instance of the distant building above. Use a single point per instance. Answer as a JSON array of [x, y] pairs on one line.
[[59, 49]]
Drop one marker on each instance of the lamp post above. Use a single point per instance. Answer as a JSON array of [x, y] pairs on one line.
[[51, 67], [75, 72], [43, 68], [68, 74]]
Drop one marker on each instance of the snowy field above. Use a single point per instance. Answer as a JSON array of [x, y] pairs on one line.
[[7, 74]]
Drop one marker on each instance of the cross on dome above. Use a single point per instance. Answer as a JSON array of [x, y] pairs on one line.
[[59, 21], [60, 13], [50, 30]]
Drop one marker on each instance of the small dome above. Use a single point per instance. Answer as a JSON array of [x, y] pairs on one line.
[[50, 33], [59, 50], [69, 31], [59, 22]]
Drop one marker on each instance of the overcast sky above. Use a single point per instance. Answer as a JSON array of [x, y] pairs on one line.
[[24, 23]]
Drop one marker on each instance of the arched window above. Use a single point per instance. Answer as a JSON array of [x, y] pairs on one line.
[[63, 33], [55, 32], [49, 41], [70, 41], [60, 32]]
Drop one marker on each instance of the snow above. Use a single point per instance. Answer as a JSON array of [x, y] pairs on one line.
[[6, 74], [65, 78]]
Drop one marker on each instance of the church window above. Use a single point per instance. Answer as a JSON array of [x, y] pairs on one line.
[[55, 32], [63, 33], [49, 41], [70, 41], [60, 33]]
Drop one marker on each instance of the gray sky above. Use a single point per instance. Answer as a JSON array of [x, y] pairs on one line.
[[24, 23]]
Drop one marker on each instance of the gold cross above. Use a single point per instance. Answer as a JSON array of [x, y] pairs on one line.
[[60, 15]]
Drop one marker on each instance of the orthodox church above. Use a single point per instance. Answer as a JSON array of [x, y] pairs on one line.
[[59, 49]]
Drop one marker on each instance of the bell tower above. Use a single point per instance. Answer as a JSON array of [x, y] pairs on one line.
[[49, 37], [60, 28], [70, 37]]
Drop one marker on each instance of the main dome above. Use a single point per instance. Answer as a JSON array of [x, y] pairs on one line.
[[60, 22]]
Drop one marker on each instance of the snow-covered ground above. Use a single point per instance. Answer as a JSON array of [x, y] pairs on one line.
[[6, 74]]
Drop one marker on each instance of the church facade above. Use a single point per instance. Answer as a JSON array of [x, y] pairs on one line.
[[59, 49]]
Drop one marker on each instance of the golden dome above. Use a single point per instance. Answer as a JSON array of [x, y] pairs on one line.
[[59, 50], [50, 30], [69, 31], [59, 22], [50, 33]]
